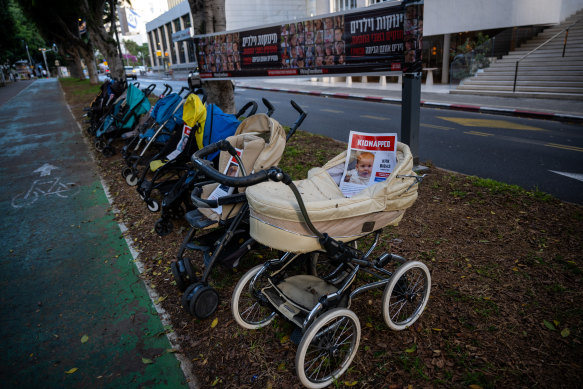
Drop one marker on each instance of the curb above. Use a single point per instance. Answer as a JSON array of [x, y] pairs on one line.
[[430, 104]]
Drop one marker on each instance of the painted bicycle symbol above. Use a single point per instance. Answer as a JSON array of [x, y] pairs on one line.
[[43, 187]]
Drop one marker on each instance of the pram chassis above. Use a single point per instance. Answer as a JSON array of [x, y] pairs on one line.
[[319, 305]]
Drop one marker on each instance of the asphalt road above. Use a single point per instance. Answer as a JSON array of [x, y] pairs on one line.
[[531, 153]]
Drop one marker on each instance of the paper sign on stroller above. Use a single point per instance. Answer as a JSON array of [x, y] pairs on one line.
[[232, 169], [371, 159]]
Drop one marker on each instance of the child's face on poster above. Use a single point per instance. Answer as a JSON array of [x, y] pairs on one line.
[[364, 166]]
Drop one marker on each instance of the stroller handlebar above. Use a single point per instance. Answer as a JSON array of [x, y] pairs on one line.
[[298, 122], [202, 165], [270, 108], [250, 104]]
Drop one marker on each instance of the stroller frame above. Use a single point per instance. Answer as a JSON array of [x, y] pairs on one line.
[[220, 245], [318, 305]]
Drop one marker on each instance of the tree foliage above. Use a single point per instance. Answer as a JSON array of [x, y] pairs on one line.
[[17, 32]]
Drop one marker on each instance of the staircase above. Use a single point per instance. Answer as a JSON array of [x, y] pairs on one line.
[[543, 74]]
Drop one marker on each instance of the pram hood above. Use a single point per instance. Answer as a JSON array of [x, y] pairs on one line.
[[276, 220], [257, 154], [164, 108], [218, 126]]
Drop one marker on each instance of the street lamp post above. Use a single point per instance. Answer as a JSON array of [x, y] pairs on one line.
[[43, 50]]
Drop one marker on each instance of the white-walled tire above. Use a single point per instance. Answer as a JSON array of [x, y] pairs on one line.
[[247, 310], [328, 348], [406, 295]]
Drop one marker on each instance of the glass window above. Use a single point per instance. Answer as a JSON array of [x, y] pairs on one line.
[[186, 21], [343, 5], [181, 52], [177, 25]]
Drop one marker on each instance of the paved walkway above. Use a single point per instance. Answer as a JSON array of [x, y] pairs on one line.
[[73, 311]]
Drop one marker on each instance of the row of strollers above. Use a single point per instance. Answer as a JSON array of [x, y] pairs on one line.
[[189, 160]]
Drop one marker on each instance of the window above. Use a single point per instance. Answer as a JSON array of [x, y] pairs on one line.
[[181, 52], [172, 52], [176, 25], [186, 21], [343, 5]]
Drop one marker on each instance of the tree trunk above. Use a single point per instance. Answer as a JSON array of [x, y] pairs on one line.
[[76, 68], [212, 12], [89, 59]]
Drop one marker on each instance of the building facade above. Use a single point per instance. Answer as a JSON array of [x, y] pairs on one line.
[[448, 24]]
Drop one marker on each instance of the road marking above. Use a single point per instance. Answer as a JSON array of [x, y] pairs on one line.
[[564, 147], [576, 176], [488, 123], [478, 133], [331, 110], [438, 127], [374, 117], [45, 170]]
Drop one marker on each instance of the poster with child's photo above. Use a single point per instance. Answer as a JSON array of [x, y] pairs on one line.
[[371, 158]]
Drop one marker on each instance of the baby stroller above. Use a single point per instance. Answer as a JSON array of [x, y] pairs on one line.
[[289, 216], [176, 202], [155, 133], [109, 92], [123, 118], [172, 164], [225, 217]]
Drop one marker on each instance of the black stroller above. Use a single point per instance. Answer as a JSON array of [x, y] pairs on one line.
[[225, 216]]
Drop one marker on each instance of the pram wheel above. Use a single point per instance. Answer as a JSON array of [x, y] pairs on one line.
[[406, 295], [153, 205], [200, 300], [108, 151], [179, 275], [100, 145], [327, 348], [125, 172], [163, 227], [247, 309], [132, 179]]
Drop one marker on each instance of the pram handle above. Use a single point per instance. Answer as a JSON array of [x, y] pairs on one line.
[[167, 90], [270, 108], [200, 164], [246, 107], [298, 122], [149, 89]]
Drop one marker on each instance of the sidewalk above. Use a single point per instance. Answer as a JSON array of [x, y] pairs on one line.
[[435, 96], [74, 311]]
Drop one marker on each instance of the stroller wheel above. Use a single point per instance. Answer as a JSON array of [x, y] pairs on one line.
[[406, 295], [163, 227], [200, 300], [179, 275], [153, 205], [108, 151], [100, 145], [132, 179], [247, 309], [189, 269], [327, 348], [125, 172]]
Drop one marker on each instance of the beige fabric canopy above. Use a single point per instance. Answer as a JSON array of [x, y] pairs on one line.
[[276, 220]]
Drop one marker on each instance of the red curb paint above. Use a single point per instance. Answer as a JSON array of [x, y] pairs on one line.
[[465, 107]]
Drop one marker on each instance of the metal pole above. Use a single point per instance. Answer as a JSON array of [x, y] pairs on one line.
[[515, 76], [46, 64], [565, 43], [410, 112]]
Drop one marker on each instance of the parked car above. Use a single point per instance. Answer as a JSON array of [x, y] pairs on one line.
[[130, 72], [141, 70]]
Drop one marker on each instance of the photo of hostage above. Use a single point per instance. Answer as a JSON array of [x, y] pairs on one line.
[[231, 172], [363, 170]]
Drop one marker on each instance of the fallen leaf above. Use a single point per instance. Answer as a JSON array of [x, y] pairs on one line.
[[411, 349], [281, 367], [284, 339], [71, 371], [565, 332], [84, 339], [215, 322], [474, 386], [352, 383], [216, 381], [549, 325], [146, 361]]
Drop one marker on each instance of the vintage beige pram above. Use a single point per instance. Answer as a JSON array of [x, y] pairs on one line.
[[289, 216]]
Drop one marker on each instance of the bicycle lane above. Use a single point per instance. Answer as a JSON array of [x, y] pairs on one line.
[[73, 310]]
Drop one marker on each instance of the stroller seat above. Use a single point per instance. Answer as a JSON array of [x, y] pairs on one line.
[[276, 221], [257, 154]]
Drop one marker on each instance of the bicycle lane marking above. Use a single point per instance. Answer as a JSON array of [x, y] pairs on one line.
[[67, 271]]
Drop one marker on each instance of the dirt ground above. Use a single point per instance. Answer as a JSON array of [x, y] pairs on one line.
[[506, 305]]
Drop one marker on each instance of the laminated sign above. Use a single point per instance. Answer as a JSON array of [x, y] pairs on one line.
[[371, 158]]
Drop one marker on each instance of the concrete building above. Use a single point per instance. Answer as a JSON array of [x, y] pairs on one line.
[[448, 24]]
